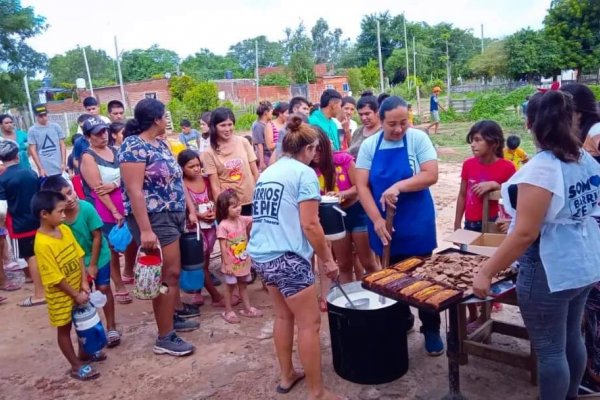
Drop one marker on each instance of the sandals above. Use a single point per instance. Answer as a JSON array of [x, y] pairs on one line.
[[10, 287], [3, 299], [127, 280], [28, 302], [230, 317], [251, 313], [280, 389], [114, 338], [85, 373], [123, 297]]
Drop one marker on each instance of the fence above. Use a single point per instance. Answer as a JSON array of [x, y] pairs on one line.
[[462, 105], [484, 87], [65, 120]]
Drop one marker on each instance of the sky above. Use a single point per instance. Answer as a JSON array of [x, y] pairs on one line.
[[186, 26]]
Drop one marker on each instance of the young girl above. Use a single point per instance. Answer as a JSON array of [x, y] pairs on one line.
[[233, 232], [197, 187], [482, 173]]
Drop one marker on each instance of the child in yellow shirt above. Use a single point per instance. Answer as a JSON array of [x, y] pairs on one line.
[[513, 153], [63, 276], [411, 115]]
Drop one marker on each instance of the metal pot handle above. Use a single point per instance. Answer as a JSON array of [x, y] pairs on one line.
[[336, 208], [198, 231]]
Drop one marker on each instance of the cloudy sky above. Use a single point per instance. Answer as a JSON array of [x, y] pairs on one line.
[[187, 25]]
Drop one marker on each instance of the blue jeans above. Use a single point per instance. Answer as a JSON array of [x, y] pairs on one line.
[[553, 322]]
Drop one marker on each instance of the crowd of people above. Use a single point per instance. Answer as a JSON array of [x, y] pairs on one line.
[[258, 198]]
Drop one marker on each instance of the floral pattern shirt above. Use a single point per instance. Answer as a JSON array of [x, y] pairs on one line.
[[163, 179]]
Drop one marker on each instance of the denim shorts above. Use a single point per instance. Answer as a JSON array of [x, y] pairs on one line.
[[103, 277], [289, 273], [166, 225], [356, 219]]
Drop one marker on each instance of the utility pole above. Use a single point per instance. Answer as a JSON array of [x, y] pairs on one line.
[[481, 38], [87, 68], [448, 79], [257, 76], [118, 57], [415, 74], [406, 50], [26, 82], [380, 58]]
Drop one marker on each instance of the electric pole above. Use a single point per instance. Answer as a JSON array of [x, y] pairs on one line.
[[406, 50], [120, 74], [257, 76], [415, 74], [481, 38], [380, 58], [87, 68], [448, 73]]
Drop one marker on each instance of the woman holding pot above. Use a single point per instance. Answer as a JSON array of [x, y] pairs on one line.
[[155, 204], [395, 169], [285, 233], [230, 163]]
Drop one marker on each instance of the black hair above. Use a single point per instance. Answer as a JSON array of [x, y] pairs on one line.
[[10, 150], [389, 104], [513, 142], [368, 100], [55, 183], [219, 115], [491, 132], [45, 200], [532, 108], [328, 95], [205, 117], [186, 156], [325, 165], [263, 107], [295, 102], [585, 104], [114, 104], [4, 116], [280, 108], [146, 112], [553, 126], [83, 117], [113, 129], [185, 123], [367, 93], [381, 98], [348, 100], [90, 101], [224, 201]]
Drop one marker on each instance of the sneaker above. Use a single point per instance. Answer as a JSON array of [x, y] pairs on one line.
[[188, 311], [184, 325], [173, 345], [434, 346], [215, 280]]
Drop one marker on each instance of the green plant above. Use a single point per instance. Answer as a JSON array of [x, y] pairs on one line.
[[488, 106], [596, 90], [244, 122], [275, 79], [355, 81], [227, 103], [451, 115]]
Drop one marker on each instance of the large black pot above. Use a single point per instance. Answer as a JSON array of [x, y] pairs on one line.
[[192, 250], [368, 346], [331, 217]]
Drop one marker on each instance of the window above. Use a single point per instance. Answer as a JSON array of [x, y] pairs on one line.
[[346, 87], [150, 95]]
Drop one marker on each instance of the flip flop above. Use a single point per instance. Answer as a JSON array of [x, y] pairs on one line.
[[230, 317], [3, 299], [251, 313], [282, 390], [114, 338], [123, 297], [10, 287], [85, 373], [28, 302]]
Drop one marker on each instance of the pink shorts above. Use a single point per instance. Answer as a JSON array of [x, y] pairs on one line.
[[232, 279], [209, 237]]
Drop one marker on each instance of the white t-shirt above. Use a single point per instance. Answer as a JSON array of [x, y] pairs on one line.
[[204, 144], [591, 141], [420, 149], [569, 235]]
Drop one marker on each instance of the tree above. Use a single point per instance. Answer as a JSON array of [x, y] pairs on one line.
[[369, 74], [492, 62], [396, 64], [531, 54], [141, 64], [327, 46], [298, 52], [205, 65], [355, 80], [66, 68], [275, 79], [18, 59], [574, 26], [269, 53]]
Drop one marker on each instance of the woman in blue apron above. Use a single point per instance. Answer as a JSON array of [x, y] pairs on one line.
[[395, 168]]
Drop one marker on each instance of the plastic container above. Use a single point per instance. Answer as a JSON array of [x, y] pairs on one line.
[[89, 328]]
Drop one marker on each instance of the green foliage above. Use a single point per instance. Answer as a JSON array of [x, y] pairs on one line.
[[369, 74], [516, 97], [298, 52], [69, 66], [205, 65], [451, 115], [574, 26], [142, 64], [487, 106], [244, 52], [227, 104], [180, 85], [179, 110], [492, 62], [327, 45], [18, 59], [395, 62], [275, 79], [355, 80], [596, 90], [531, 54], [191, 98], [244, 122]]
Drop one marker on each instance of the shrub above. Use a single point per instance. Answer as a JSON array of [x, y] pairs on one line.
[[488, 106], [244, 122], [275, 79]]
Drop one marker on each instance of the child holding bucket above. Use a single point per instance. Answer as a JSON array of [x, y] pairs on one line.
[[233, 232], [86, 225], [59, 257]]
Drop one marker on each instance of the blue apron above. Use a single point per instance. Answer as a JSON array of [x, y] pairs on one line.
[[414, 223]]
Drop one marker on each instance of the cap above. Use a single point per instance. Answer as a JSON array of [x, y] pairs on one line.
[[93, 125], [40, 109], [8, 150]]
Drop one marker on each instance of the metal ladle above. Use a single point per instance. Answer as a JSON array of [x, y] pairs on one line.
[[358, 304]]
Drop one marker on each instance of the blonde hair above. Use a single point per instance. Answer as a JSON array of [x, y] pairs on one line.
[[298, 135]]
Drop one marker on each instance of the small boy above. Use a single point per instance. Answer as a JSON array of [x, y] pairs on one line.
[[63, 275], [514, 153], [86, 225], [188, 136], [411, 115]]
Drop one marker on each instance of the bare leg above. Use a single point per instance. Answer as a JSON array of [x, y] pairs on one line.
[[365, 254], [109, 307], [164, 304], [215, 295], [228, 296], [129, 256], [63, 336], [343, 253], [32, 272], [115, 272]]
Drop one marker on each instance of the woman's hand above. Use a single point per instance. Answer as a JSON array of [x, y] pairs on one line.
[[339, 195], [382, 232], [331, 269], [192, 219], [149, 240], [208, 216], [390, 197], [502, 226], [105, 188], [482, 188], [118, 217], [481, 284]]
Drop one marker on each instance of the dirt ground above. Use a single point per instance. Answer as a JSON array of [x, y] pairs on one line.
[[231, 361]]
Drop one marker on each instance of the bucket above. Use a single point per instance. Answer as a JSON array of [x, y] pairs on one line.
[[368, 346], [191, 277], [147, 275], [89, 328], [331, 217]]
